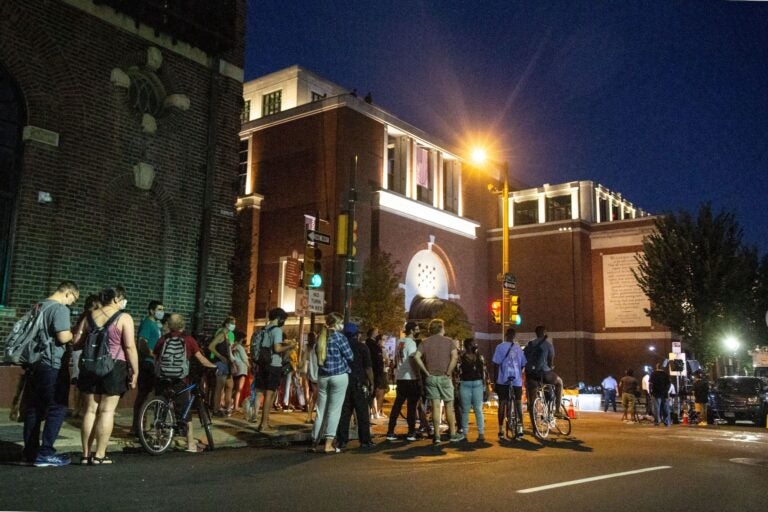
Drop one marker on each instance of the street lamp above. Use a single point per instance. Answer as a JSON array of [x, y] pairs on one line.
[[732, 343], [480, 157]]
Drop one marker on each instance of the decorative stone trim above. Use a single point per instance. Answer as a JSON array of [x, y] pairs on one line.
[[41, 135]]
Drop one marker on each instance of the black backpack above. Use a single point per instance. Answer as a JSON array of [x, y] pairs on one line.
[[28, 340], [535, 358], [261, 355], [172, 363], [96, 357]]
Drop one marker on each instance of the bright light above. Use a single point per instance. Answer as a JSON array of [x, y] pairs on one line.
[[479, 156], [732, 343], [652, 348]]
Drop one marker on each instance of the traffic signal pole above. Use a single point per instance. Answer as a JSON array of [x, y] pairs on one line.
[[349, 262]]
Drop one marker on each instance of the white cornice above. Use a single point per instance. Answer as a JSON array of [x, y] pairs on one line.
[[425, 214]]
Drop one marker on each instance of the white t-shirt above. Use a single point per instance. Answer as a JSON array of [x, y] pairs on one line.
[[646, 383], [406, 370]]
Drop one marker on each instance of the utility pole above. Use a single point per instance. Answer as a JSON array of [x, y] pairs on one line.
[[349, 273]]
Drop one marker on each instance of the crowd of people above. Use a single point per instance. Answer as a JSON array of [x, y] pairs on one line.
[[657, 391], [337, 375]]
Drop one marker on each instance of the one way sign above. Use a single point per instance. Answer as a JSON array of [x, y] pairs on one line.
[[318, 238]]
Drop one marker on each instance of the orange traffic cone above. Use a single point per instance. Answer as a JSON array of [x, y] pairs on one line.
[[571, 411], [685, 418]]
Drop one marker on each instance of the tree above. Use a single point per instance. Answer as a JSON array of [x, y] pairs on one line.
[[457, 324], [701, 280], [380, 302]]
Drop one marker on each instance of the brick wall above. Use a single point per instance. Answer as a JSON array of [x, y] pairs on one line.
[[100, 229]]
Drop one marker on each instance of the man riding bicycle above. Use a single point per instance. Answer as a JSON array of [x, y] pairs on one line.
[[509, 361], [540, 356]]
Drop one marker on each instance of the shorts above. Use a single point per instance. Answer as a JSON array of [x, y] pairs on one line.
[[115, 383], [222, 369], [503, 390], [381, 381], [438, 387], [269, 379]]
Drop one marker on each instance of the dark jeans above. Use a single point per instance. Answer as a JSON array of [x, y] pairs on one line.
[[145, 385], [355, 400], [406, 390], [610, 398], [46, 397]]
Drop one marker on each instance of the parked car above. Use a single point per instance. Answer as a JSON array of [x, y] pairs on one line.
[[739, 398]]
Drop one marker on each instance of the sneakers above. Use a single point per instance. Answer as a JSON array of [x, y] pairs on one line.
[[391, 436], [410, 437], [519, 431], [501, 436], [54, 460], [481, 438], [455, 438], [436, 441]]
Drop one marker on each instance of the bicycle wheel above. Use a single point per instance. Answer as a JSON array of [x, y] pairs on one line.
[[156, 426], [205, 421], [540, 419], [562, 421], [512, 420]]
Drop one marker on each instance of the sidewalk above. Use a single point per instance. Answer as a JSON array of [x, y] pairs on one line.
[[232, 432]]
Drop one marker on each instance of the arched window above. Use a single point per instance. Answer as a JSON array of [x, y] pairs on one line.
[[12, 120]]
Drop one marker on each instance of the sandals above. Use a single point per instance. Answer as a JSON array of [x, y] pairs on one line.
[[85, 460], [98, 461]]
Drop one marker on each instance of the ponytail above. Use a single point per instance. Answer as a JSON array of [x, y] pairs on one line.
[[322, 346]]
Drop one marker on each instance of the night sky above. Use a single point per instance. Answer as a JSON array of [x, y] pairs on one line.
[[663, 101]]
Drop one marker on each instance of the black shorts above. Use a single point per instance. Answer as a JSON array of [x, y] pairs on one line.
[[269, 379], [115, 383], [502, 390]]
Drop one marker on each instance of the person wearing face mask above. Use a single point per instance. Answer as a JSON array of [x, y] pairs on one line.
[[222, 357], [46, 392], [149, 333], [102, 393]]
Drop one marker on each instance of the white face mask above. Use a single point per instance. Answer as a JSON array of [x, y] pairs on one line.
[[159, 315], [122, 304], [231, 327]]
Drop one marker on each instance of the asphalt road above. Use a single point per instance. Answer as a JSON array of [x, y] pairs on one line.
[[603, 465]]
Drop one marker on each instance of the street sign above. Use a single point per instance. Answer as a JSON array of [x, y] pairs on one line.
[[510, 282], [302, 302], [318, 238], [316, 301], [509, 286], [292, 273]]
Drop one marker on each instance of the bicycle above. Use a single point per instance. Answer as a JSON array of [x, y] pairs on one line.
[[513, 422], [160, 420], [544, 415]]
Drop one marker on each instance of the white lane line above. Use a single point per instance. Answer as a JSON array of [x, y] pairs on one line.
[[591, 479]]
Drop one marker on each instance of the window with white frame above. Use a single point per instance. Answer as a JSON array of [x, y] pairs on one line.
[[270, 103]]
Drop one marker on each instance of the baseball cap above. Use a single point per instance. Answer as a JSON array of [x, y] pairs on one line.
[[350, 329]]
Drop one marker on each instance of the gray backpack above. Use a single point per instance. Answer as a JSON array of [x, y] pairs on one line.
[[172, 363], [28, 341]]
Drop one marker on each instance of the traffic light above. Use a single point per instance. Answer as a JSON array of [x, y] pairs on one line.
[[515, 318], [342, 235], [313, 267], [496, 311]]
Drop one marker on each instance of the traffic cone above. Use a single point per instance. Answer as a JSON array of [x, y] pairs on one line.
[[685, 417], [571, 411]]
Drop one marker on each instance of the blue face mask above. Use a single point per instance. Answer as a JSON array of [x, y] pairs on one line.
[[159, 315]]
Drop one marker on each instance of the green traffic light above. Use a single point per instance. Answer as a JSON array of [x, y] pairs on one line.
[[316, 281]]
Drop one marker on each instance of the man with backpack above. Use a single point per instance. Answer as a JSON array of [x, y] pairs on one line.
[[267, 347], [46, 393], [540, 357], [173, 354]]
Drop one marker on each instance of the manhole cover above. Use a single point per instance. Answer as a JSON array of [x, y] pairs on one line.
[[751, 462]]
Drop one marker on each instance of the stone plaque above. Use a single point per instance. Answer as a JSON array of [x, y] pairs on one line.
[[624, 300]]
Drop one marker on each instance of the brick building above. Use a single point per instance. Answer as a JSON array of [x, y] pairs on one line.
[[118, 152], [306, 141]]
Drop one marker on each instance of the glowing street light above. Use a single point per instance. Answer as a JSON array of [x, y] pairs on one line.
[[480, 157], [732, 343]]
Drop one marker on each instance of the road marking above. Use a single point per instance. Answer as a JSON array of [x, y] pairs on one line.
[[591, 479]]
